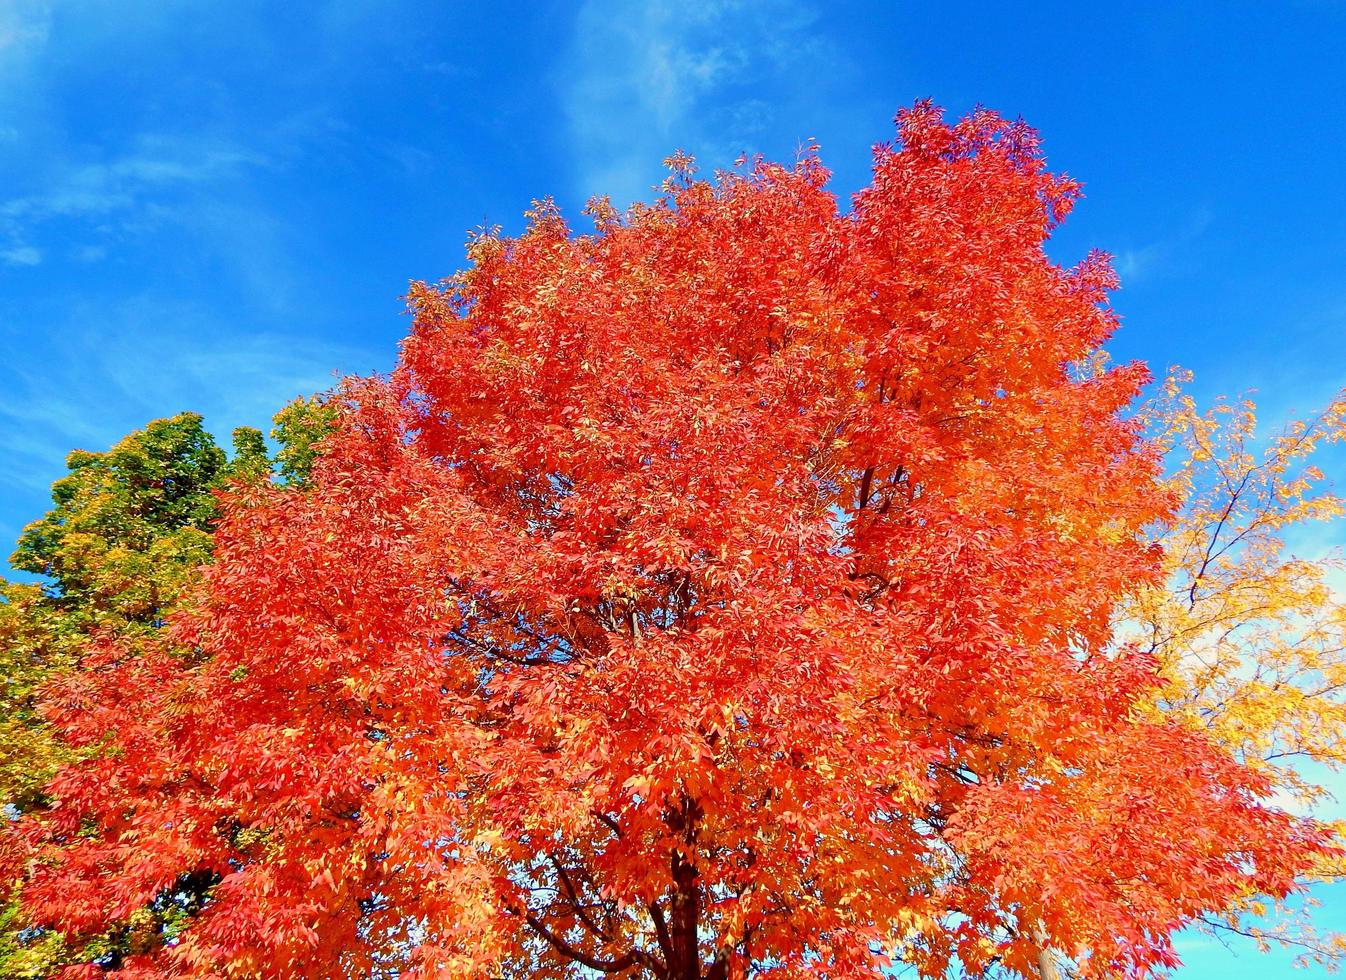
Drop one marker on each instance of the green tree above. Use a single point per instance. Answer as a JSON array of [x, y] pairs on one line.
[[299, 428]]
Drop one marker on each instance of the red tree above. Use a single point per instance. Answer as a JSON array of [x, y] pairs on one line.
[[722, 593]]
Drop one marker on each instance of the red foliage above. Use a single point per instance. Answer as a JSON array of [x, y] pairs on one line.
[[725, 592]]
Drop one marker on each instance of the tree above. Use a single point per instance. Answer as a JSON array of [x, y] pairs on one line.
[[1251, 638], [126, 537], [299, 429], [727, 592], [126, 534]]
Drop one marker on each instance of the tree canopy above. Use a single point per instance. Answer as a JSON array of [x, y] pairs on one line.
[[730, 591]]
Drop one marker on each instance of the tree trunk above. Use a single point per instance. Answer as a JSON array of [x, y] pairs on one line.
[[684, 919], [1048, 969]]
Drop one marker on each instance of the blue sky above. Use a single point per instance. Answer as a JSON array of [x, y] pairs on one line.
[[216, 206]]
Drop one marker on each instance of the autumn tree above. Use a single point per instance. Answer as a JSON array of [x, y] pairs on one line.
[[726, 592], [128, 533], [1249, 633]]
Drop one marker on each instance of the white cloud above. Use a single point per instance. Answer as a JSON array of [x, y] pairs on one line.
[[1172, 251], [89, 209], [23, 27], [60, 193], [158, 162], [148, 357], [644, 79], [21, 255]]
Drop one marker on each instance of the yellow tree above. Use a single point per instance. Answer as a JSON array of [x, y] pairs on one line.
[[1251, 636]]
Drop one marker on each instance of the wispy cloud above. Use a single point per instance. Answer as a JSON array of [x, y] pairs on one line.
[[20, 255], [126, 187], [24, 25], [114, 377], [1170, 252], [171, 204], [642, 80]]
